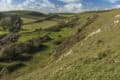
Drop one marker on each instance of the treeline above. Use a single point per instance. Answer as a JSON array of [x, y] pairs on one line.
[[11, 23], [49, 17], [62, 24], [6, 39], [14, 53], [71, 23], [20, 51]]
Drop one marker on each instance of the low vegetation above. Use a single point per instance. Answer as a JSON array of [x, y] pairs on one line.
[[11, 23], [82, 46]]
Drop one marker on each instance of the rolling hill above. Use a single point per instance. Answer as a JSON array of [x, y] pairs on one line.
[[83, 46]]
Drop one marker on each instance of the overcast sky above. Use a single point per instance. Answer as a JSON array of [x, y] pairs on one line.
[[58, 5]]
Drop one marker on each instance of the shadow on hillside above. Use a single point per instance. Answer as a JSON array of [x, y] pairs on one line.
[[37, 21], [47, 18]]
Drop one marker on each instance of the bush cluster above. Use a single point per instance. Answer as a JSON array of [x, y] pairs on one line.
[[16, 51], [11, 23]]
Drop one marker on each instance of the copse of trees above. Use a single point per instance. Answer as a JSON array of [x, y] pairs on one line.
[[11, 23], [18, 50]]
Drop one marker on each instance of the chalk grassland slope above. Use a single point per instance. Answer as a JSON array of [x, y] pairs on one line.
[[94, 57], [35, 43]]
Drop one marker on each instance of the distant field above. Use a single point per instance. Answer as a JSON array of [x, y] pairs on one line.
[[27, 20], [39, 25]]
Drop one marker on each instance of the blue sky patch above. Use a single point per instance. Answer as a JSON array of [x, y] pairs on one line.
[[58, 5]]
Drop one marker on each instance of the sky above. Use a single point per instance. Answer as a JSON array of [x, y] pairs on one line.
[[60, 6]]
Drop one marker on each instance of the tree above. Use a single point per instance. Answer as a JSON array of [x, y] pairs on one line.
[[11, 23]]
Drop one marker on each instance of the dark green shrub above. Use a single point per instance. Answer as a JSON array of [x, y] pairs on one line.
[[24, 57], [11, 23], [59, 35], [15, 65], [57, 42], [10, 38], [104, 54], [10, 67], [15, 51]]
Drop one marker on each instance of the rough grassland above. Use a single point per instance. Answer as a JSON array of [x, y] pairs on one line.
[[96, 57]]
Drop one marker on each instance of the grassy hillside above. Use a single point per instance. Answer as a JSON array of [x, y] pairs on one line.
[[81, 46], [95, 56], [35, 44]]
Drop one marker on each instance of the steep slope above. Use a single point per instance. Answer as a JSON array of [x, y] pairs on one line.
[[96, 56], [35, 43]]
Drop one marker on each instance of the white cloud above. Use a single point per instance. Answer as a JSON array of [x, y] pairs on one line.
[[112, 1], [72, 7], [37, 5], [70, 1], [116, 6], [48, 6], [42, 6]]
